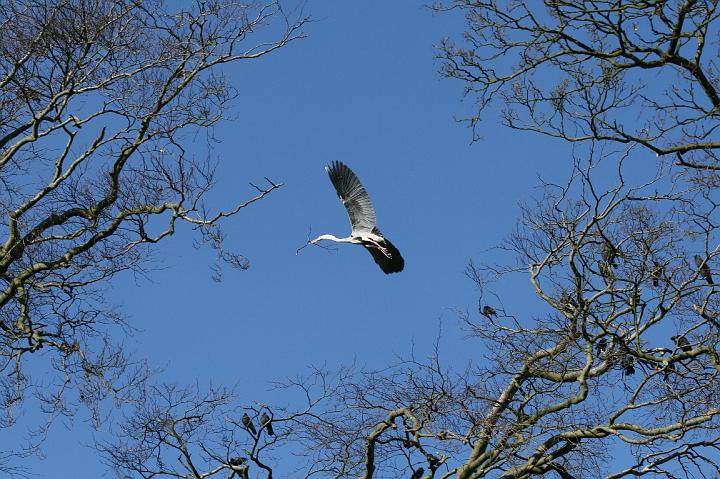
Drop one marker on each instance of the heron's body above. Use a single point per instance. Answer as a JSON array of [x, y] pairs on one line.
[[362, 218]]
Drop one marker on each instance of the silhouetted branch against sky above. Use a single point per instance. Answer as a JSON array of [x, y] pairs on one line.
[[593, 349], [100, 101], [637, 72]]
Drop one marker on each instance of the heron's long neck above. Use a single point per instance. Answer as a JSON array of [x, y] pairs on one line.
[[333, 238]]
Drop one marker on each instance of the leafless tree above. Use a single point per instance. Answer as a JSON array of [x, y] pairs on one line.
[[195, 433], [615, 372], [596, 70], [98, 100], [595, 383]]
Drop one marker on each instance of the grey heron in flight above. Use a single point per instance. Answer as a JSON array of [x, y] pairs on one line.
[[362, 219]]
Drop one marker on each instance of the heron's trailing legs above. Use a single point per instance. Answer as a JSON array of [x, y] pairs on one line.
[[382, 249]]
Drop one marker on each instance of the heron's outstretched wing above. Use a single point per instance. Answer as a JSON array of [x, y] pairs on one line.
[[354, 197]]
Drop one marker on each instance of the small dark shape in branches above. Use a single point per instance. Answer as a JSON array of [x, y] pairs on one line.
[[682, 343], [247, 422], [569, 304], [628, 365], [609, 254], [704, 269], [488, 311], [602, 346], [266, 422], [669, 368], [657, 274]]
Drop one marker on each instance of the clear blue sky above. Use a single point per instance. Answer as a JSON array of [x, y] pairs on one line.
[[363, 89]]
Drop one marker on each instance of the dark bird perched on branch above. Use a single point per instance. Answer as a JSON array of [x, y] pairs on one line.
[[602, 346], [247, 422], [656, 274], [488, 311], [669, 368], [362, 219], [239, 467], [704, 269], [265, 422], [609, 253], [418, 473], [628, 365], [682, 343]]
